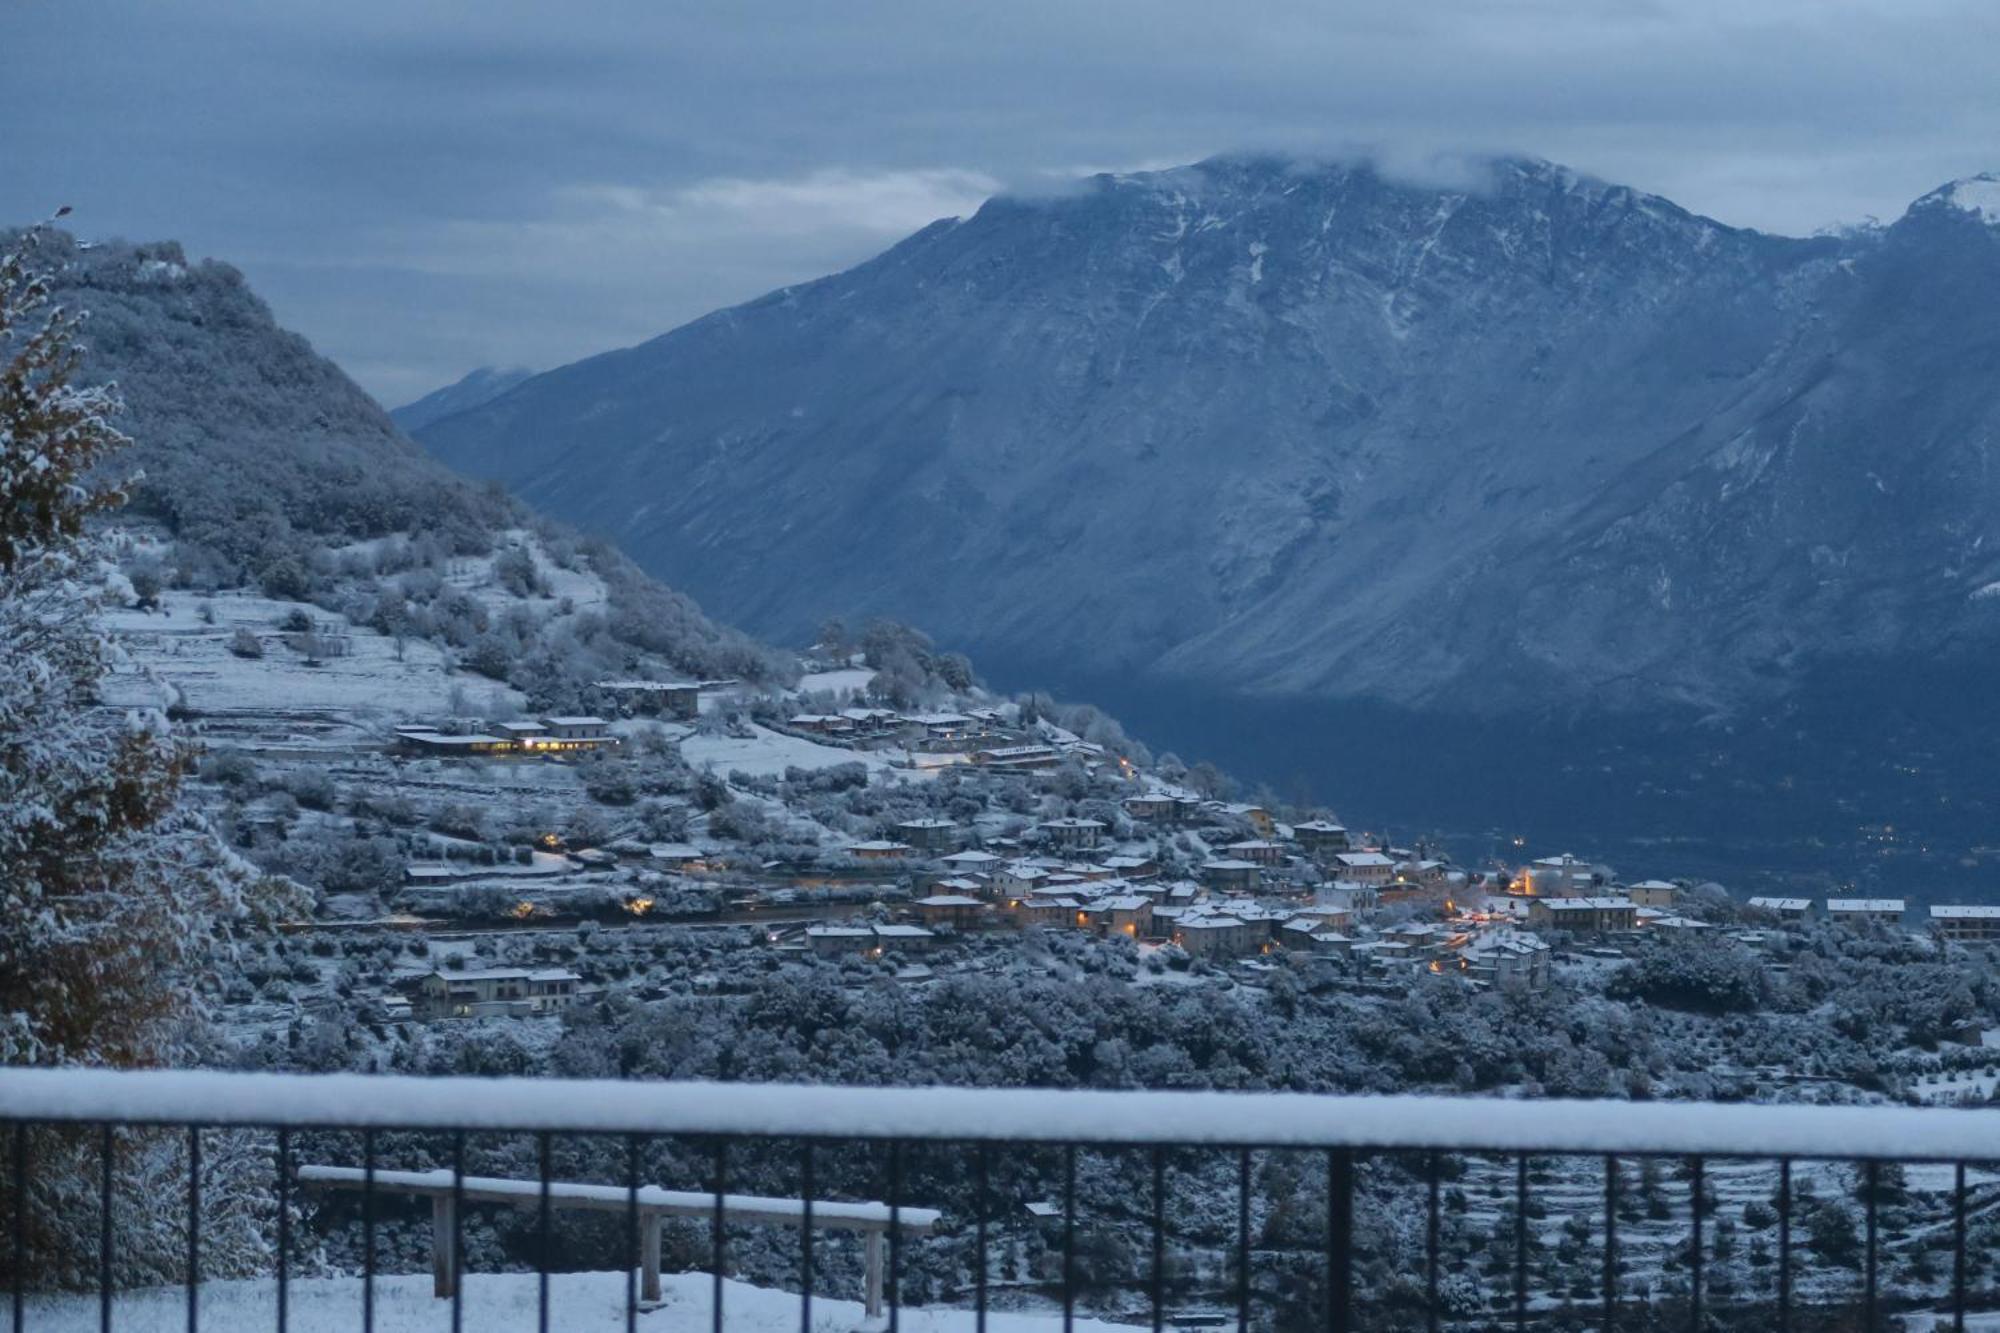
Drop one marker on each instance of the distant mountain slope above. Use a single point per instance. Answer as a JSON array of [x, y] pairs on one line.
[[1310, 430], [476, 389], [272, 469]]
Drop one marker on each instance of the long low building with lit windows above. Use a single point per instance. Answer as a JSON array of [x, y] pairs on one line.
[[550, 735]]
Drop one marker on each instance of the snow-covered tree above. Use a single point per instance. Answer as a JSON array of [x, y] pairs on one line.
[[115, 900]]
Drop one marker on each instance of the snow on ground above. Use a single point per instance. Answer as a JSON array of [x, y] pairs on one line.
[[373, 678], [583, 589], [769, 754], [1969, 1086], [494, 1303], [851, 680]]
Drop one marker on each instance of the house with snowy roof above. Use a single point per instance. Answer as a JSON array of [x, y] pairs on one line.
[[1866, 911], [1261, 851], [1652, 893], [1226, 874], [510, 992], [1161, 807], [1017, 756], [825, 940], [1589, 916], [959, 911], [1310, 935], [1051, 910], [1219, 935], [1966, 924], [1368, 868], [897, 937], [929, 835], [1321, 838], [576, 731], [1785, 909], [1119, 914], [1507, 960], [1073, 833], [651, 698], [880, 849]]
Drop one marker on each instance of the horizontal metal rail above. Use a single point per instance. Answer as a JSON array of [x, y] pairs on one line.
[[828, 1216], [999, 1115], [448, 1192]]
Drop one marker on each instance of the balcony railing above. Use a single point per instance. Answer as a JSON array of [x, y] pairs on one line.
[[1198, 1153]]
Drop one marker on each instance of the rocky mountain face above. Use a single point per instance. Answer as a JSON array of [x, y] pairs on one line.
[[480, 387], [1309, 430]]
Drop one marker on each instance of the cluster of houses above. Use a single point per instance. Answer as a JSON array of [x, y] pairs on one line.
[[1296, 893], [936, 731], [562, 734], [1964, 923]]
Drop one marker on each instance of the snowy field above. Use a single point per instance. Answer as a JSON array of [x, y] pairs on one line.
[[494, 1303], [769, 754], [172, 646], [850, 681]]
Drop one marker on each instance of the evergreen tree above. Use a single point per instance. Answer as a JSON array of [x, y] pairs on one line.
[[115, 899]]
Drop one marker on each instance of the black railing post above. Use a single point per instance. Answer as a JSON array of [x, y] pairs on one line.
[[1521, 1242], [1243, 1241], [982, 1171], [457, 1251], [18, 1296], [1871, 1180], [194, 1230], [1610, 1243], [544, 1233], [631, 1233], [1069, 1238], [805, 1236], [718, 1235], [1784, 1244], [104, 1234], [1431, 1240], [1958, 1249], [895, 1234], [284, 1228], [1696, 1176], [368, 1230], [1159, 1273], [1340, 1240]]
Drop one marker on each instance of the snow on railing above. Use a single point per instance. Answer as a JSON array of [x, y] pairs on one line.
[[1172, 1127], [1010, 1115]]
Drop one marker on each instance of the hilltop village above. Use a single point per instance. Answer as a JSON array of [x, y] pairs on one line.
[[890, 835], [856, 864], [877, 809]]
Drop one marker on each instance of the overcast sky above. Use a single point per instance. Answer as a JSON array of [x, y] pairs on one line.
[[425, 188]]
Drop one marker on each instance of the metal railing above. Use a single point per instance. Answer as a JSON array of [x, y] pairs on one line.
[[1198, 1150]]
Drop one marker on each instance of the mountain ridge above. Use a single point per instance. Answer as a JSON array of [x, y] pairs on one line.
[[1356, 408], [474, 389]]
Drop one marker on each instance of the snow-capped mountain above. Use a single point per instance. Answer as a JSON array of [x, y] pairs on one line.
[[1310, 429]]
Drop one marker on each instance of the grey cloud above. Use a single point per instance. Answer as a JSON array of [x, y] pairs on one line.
[[425, 187]]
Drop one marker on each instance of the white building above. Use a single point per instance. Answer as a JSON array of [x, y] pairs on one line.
[[1861, 911]]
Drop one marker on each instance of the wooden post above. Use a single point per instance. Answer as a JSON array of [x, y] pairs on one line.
[[444, 1264], [874, 1252], [649, 1258]]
